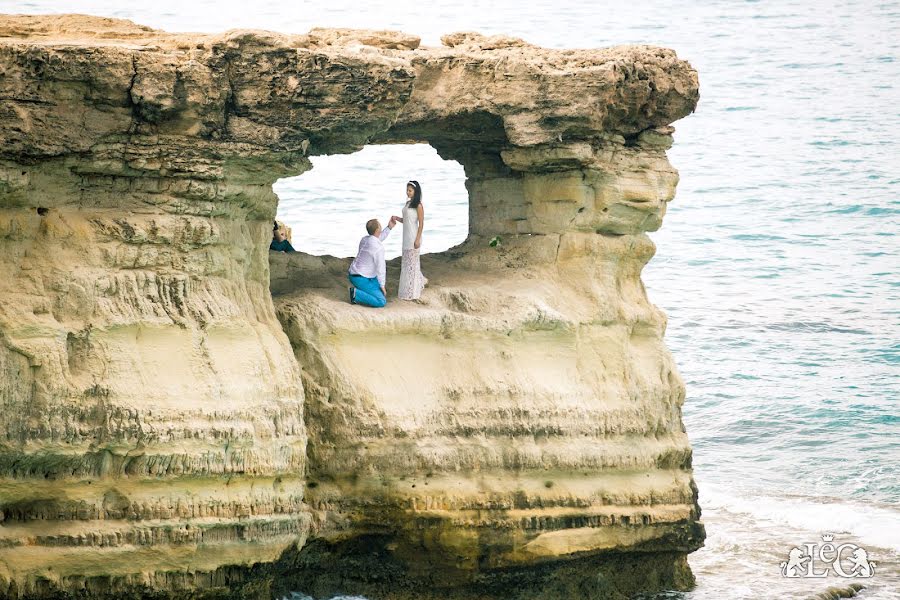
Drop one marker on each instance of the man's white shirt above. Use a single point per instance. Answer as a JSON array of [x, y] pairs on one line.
[[369, 261]]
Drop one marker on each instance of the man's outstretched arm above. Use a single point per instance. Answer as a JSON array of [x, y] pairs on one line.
[[387, 230]]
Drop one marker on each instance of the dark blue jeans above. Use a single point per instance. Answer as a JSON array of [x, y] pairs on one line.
[[368, 290]]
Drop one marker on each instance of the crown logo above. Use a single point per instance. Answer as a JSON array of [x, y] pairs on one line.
[[828, 537]]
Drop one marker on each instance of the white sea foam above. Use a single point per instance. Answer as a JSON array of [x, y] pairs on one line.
[[875, 525]]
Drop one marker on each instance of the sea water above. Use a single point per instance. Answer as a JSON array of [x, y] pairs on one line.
[[778, 261]]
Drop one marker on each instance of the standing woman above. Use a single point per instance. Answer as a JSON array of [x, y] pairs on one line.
[[411, 279]]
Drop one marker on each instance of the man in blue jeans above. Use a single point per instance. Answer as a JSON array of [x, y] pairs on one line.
[[367, 271]]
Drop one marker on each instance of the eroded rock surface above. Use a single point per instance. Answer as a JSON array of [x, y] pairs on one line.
[[161, 433]]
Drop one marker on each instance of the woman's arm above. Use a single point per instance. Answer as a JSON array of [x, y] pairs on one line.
[[421, 212]]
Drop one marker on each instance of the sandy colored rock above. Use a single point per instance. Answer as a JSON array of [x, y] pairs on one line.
[[166, 425]]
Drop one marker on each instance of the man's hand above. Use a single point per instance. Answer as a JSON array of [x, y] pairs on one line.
[[383, 291], [392, 222]]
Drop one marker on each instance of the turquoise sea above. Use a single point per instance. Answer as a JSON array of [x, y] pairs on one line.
[[778, 262]]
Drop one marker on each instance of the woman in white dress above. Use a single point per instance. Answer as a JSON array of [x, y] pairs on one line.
[[411, 279]]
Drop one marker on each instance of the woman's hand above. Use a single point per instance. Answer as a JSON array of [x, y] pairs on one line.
[[418, 243], [399, 219]]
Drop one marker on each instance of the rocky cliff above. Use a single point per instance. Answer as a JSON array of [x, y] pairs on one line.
[[168, 428]]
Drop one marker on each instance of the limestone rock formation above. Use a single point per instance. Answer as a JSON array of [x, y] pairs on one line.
[[169, 429]]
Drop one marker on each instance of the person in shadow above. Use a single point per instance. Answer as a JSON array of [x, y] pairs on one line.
[[367, 271], [279, 241]]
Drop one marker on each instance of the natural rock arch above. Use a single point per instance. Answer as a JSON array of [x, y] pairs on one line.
[[331, 203], [152, 400]]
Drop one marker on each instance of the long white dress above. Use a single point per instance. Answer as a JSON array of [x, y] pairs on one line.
[[411, 279]]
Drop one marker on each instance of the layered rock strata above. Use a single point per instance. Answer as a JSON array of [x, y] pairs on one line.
[[517, 432]]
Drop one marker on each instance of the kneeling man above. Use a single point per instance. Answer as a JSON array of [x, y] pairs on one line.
[[367, 271]]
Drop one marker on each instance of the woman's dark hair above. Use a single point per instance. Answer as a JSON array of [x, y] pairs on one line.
[[276, 226], [417, 194]]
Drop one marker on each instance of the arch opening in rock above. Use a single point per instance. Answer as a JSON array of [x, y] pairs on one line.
[[328, 206], [472, 140]]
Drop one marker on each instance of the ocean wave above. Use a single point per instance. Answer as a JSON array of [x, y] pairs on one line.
[[876, 525]]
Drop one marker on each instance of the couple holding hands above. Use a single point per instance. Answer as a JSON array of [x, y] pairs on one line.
[[367, 271]]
